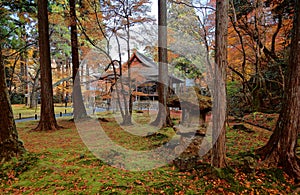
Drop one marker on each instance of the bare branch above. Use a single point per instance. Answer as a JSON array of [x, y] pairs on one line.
[[192, 6]]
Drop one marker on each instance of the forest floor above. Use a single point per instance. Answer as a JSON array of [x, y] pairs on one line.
[[60, 163]]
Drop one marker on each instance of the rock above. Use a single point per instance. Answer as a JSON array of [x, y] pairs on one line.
[[243, 128], [103, 119]]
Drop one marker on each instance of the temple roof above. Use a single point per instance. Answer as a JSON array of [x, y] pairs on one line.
[[147, 68], [142, 69]]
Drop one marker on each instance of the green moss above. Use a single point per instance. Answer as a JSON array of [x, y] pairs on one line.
[[66, 166]]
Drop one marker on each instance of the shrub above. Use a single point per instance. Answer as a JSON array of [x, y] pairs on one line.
[[17, 98]]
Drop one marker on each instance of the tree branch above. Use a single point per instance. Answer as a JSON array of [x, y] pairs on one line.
[[192, 6]]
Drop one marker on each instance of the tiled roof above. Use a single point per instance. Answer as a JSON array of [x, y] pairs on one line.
[[148, 71]]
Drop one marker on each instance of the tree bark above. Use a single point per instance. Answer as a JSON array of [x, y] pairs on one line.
[[79, 109], [130, 102], [163, 118], [10, 146], [280, 149], [33, 95], [47, 120], [219, 91]]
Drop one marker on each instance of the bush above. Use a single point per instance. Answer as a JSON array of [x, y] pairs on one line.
[[17, 98], [233, 88], [236, 103], [57, 99]]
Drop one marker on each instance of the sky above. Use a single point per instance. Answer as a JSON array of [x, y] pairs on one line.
[[154, 8]]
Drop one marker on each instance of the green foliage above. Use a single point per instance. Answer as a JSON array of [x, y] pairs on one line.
[[233, 88], [14, 15], [57, 99], [236, 99], [17, 98], [185, 67], [242, 7]]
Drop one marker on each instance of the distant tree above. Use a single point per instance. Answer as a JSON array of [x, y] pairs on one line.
[[10, 146], [15, 17], [258, 51], [113, 21], [187, 68], [219, 91], [60, 44], [47, 120], [79, 109], [281, 147]]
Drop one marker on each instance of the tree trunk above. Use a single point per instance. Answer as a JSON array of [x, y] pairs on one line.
[[79, 109], [33, 94], [280, 149], [10, 146], [130, 102], [47, 120], [219, 91], [163, 118]]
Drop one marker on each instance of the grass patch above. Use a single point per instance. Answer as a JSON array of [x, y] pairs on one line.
[[27, 112]]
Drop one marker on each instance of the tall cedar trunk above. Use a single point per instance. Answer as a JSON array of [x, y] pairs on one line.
[[219, 92], [10, 146], [79, 109], [47, 120], [130, 102], [163, 117], [280, 149]]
